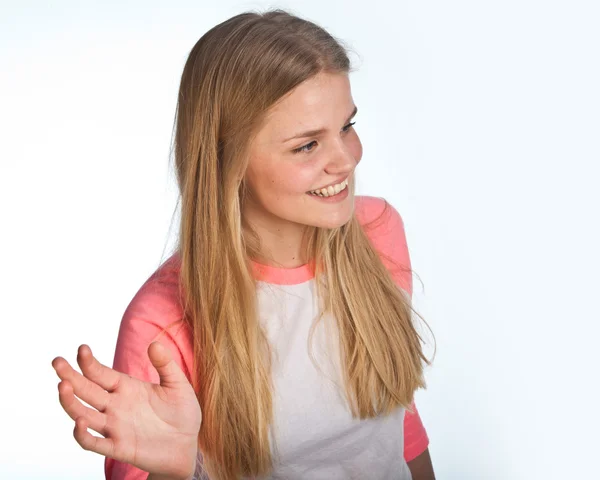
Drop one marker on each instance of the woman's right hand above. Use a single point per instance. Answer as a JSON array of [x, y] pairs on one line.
[[151, 426]]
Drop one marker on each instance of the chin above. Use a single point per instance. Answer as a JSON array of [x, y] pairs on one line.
[[332, 221]]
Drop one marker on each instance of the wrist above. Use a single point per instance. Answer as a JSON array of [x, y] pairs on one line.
[[180, 475], [179, 471], [154, 476]]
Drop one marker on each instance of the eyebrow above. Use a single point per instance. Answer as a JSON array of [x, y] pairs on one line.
[[319, 131]]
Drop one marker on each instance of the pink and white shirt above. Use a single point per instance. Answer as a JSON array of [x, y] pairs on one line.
[[313, 435]]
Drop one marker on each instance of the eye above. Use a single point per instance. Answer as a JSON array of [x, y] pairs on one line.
[[307, 148], [304, 148], [347, 127]]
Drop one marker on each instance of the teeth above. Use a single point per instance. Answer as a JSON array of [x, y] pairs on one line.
[[330, 191]]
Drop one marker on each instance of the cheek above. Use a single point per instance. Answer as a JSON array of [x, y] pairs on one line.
[[284, 181], [295, 181]]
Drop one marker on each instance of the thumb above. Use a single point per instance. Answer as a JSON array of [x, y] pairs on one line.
[[168, 371]]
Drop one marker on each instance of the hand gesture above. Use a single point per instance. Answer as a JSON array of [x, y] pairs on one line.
[[151, 426]]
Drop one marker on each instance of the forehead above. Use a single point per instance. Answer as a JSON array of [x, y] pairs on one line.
[[313, 104]]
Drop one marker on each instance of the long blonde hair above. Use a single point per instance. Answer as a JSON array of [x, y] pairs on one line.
[[233, 75]]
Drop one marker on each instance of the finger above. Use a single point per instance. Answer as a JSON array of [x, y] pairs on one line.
[[91, 368], [75, 409], [85, 389], [169, 372], [87, 441]]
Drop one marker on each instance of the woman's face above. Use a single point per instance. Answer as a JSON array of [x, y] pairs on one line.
[[306, 143]]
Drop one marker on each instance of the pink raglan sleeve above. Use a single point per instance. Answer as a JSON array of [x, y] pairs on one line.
[[153, 308], [385, 229]]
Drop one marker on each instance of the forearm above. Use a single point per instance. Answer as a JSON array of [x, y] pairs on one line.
[[421, 467]]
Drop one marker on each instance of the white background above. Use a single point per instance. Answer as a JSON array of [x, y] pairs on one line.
[[480, 123]]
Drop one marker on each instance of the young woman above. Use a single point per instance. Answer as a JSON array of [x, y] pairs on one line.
[[277, 341]]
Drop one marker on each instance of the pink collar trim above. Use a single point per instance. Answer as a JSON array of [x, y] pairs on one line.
[[283, 276], [270, 274]]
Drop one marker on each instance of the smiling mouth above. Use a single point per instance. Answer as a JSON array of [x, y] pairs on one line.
[[331, 190]]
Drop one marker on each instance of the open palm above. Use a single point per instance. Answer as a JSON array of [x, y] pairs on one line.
[[152, 426]]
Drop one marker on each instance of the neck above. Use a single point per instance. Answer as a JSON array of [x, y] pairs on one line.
[[282, 243], [281, 247]]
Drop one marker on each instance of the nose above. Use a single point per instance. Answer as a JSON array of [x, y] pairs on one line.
[[340, 160]]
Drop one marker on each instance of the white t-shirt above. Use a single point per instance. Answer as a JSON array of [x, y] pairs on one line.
[[314, 435]]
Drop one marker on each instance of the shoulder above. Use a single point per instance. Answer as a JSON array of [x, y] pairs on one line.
[[157, 301], [384, 227], [160, 292], [376, 213], [154, 313]]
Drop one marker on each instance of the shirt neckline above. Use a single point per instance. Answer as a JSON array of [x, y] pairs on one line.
[[275, 275], [281, 275]]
